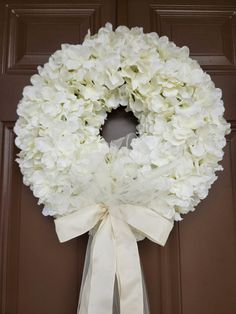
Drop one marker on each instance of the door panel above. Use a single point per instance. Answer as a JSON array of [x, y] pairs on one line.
[[34, 31], [38, 274], [208, 249], [205, 242], [195, 272]]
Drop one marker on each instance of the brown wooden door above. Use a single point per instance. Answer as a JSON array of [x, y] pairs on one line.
[[196, 272]]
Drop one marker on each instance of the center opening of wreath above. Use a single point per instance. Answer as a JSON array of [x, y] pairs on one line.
[[118, 124]]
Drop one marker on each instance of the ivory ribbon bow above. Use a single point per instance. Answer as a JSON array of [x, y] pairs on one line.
[[114, 253]]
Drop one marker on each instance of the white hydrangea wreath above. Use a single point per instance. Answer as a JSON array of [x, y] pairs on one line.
[[181, 132]]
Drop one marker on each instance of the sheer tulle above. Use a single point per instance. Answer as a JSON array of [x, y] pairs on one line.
[[118, 143], [124, 141]]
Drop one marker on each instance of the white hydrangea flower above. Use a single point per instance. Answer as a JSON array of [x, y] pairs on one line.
[[181, 133]]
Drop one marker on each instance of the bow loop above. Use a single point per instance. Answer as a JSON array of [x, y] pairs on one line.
[[78, 222]]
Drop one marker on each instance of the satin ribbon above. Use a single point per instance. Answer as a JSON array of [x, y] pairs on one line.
[[114, 253]]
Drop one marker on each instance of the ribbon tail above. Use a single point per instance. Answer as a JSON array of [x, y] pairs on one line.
[[98, 289], [128, 270]]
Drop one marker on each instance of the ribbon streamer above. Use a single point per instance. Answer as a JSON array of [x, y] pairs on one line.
[[114, 253]]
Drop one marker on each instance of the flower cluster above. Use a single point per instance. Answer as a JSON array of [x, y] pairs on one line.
[[169, 167]]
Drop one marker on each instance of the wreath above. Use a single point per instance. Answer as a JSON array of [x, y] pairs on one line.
[[135, 190]]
